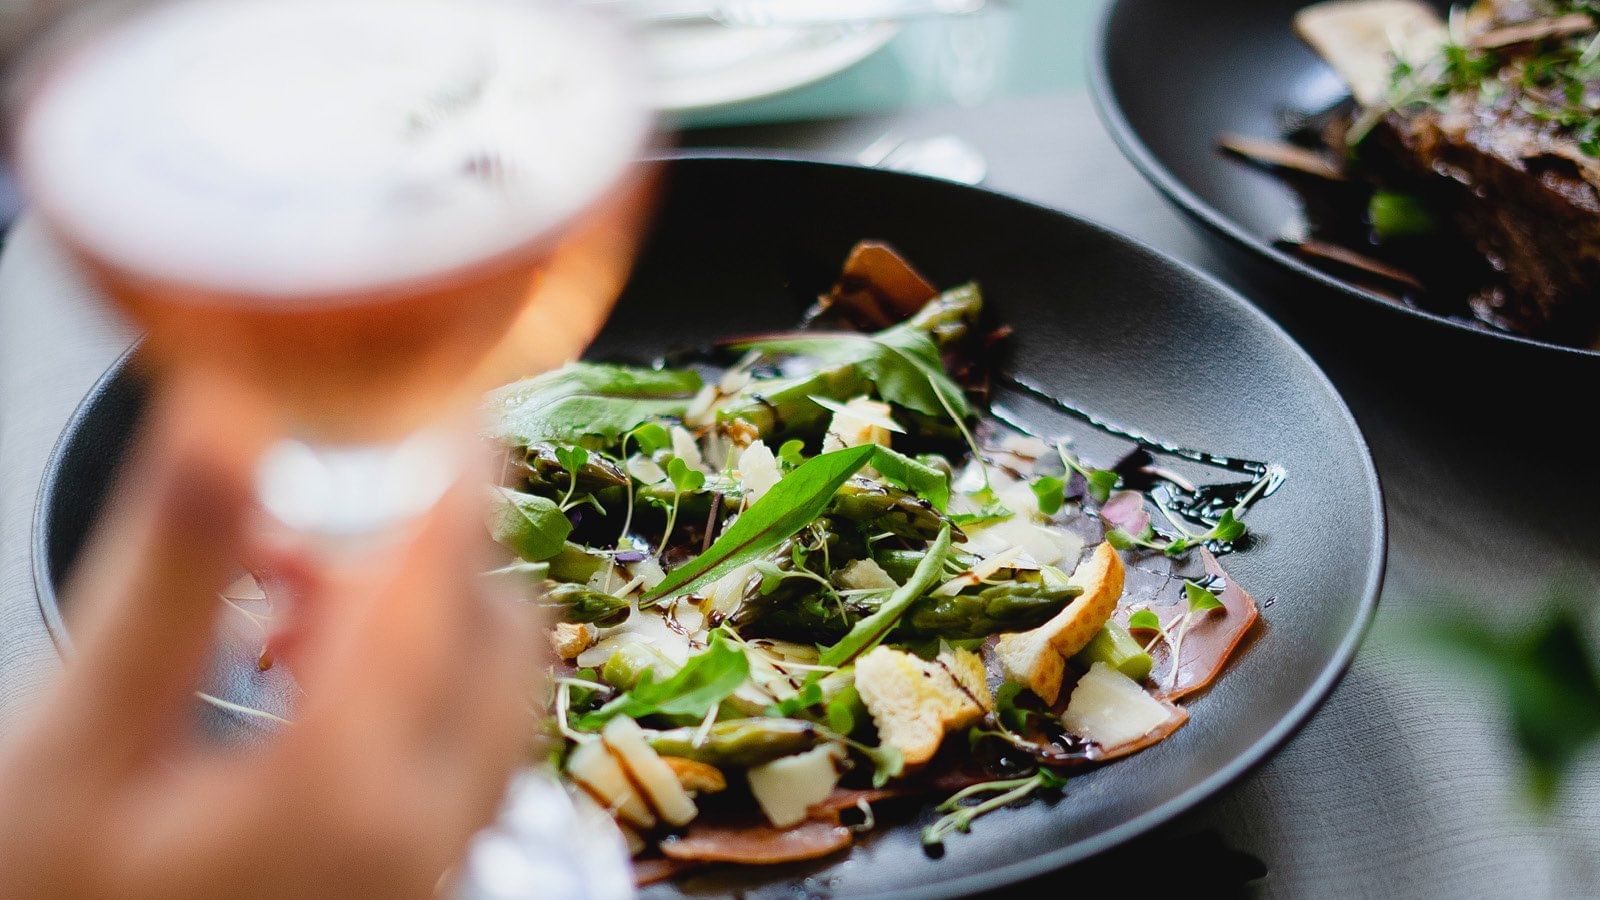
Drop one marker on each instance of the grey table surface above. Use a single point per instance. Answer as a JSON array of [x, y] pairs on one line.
[[1399, 786]]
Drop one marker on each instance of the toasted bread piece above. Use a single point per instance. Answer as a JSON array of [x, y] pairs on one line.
[[915, 702], [1028, 659], [1101, 576], [1037, 658]]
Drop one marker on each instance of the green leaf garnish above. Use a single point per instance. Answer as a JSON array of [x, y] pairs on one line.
[[1200, 599], [771, 575], [688, 696], [1004, 792], [1051, 492], [1227, 530], [1100, 482], [1397, 216], [684, 479], [804, 699], [651, 437], [1144, 620], [789, 506], [792, 453], [868, 632], [533, 527], [582, 400], [911, 475], [1013, 717], [990, 510], [902, 363]]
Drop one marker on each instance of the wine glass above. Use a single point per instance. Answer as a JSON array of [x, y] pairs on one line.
[[344, 206]]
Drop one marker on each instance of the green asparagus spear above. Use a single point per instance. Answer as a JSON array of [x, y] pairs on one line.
[[545, 472], [887, 508], [976, 612], [900, 564], [579, 603], [1114, 646], [736, 742]]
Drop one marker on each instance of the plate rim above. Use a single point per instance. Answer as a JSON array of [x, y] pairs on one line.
[[861, 45], [1287, 725], [1137, 152]]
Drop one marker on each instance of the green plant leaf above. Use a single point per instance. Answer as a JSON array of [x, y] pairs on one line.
[[533, 527], [1228, 528], [902, 363], [684, 479], [1051, 491], [808, 696], [1012, 717], [587, 400], [792, 453], [786, 508], [571, 458], [868, 632], [1101, 483], [1200, 599], [908, 474], [771, 575], [992, 510], [1144, 620], [650, 437], [1547, 672], [704, 681]]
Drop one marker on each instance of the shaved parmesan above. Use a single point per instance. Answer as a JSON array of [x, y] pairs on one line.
[[864, 575], [1111, 709], [861, 421], [648, 571], [983, 569], [1044, 545], [786, 788], [592, 767], [726, 593], [645, 470], [655, 779], [684, 447], [758, 470]]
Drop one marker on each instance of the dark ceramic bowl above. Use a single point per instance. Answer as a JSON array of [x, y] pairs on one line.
[[743, 245], [1170, 77]]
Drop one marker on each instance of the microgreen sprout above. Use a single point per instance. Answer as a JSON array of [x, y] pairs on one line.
[[792, 453], [1051, 491], [684, 481], [1101, 482], [1199, 600], [571, 459], [1226, 530], [1004, 792]]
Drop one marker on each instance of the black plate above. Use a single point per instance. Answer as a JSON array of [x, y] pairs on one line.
[[743, 245], [1170, 77]]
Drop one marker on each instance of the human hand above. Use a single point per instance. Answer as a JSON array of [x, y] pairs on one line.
[[416, 701]]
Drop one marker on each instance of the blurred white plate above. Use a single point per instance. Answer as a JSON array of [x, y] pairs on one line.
[[703, 66]]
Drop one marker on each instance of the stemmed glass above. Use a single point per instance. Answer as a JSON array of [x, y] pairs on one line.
[[344, 206], [361, 212]]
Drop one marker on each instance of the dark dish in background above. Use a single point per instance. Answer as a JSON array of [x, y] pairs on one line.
[[1461, 175], [1241, 71], [1102, 322]]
